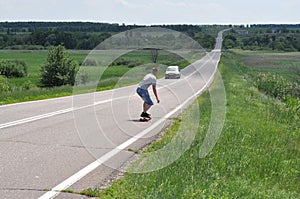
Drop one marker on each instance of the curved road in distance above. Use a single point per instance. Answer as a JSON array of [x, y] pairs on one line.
[[41, 149]]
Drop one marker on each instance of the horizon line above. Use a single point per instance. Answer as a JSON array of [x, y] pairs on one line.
[[149, 24]]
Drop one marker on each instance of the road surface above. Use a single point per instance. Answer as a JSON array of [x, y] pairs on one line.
[[41, 149]]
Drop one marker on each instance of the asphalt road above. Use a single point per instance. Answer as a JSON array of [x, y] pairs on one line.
[[50, 145]]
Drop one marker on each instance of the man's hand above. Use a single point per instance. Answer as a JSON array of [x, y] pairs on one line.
[[155, 93]]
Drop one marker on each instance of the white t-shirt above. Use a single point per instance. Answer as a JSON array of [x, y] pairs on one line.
[[148, 80]]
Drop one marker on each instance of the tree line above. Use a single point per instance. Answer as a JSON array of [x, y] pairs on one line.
[[281, 39], [275, 26], [42, 40], [82, 27], [63, 26], [78, 35]]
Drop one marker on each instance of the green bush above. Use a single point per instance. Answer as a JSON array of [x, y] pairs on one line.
[[60, 69], [294, 105], [277, 86], [28, 85], [13, 68], [4, 85]]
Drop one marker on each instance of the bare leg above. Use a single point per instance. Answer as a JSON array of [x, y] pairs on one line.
[[146, 107]]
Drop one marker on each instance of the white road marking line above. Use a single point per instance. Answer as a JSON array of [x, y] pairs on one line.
[[86, 170], [34, 118], [52, 99], [47, 115], [36, 101]]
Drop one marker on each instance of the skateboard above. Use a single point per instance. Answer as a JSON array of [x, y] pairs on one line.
[[145, 119]]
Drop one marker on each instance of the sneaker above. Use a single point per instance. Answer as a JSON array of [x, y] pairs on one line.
[[145, 115], [148, 115]]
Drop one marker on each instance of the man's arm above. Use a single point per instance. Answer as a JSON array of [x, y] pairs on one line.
[[155, 93]]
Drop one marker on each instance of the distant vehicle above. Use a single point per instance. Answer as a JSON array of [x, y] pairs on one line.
[[172, 72]]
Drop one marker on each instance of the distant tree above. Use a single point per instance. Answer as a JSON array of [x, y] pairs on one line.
[[66, 39], [228, 44], [191, 33], [38, 38], [206, 41], [154, 55], [230, 41], [278, 45], [59, 69], [51, 39], [297, 44]]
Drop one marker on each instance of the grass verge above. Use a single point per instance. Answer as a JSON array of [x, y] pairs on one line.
[[257, 155]]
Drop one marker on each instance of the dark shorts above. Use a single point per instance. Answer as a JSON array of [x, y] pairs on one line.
[[145, 96]]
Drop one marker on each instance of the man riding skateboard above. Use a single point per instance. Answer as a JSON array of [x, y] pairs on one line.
[[142, 91]]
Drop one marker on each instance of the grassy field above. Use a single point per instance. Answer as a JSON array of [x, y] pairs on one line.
[[257, 155], [122, 72], [28, 88], [34, 61], [285, 64]]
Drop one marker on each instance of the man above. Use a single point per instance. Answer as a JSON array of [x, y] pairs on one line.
[[142, 91]]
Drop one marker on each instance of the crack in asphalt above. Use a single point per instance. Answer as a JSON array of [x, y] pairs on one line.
[[23, 189], [44, 190], [57, 145]]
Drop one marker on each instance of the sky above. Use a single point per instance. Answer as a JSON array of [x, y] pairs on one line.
[[147, 12]]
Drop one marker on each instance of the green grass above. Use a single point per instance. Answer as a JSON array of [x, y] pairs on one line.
[[29, 88], [257, 155], [34, 94], [34, 61], [275, 74], [280, 63]]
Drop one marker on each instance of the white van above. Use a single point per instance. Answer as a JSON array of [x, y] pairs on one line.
[[172, 72]]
